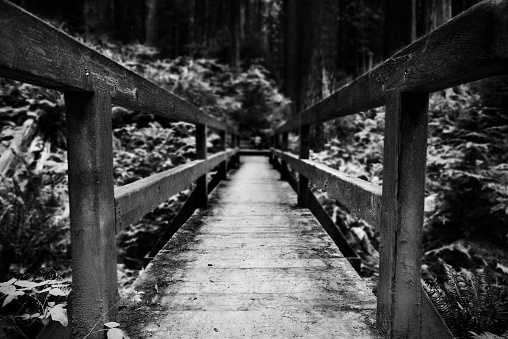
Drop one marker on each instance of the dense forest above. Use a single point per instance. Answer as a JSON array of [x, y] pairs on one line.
[[255, 63]]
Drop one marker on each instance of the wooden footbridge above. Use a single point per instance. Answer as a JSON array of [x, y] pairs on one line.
[[252, 258]]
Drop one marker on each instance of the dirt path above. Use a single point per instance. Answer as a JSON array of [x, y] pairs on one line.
[[253, 265]]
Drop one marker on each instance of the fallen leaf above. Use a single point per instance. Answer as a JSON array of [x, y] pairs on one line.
[[115, 333], [58, 313]]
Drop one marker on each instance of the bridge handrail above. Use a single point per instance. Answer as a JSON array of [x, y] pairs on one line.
[[471, 46], [33, 51]]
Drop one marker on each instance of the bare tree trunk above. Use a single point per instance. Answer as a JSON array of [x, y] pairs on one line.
[[234, 29], [97, 15], [151, 23], [400, 25]]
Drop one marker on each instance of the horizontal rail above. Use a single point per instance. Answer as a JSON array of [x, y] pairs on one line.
[[471, 46], [361, 197], [35, 52], [134, 200]]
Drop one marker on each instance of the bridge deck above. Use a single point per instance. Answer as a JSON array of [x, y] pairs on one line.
[[252, 265]]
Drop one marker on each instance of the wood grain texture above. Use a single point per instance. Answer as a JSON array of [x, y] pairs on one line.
[[253, 265], [361, 197], [134, 200], [92, 211], [405, 145], [471, 46], [35, 52]]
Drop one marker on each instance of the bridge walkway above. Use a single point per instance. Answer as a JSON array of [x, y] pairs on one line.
[[251, 265]]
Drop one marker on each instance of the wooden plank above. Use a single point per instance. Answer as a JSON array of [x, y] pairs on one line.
[[92, 211], [361, 197], [201, 153], [471, 46], [134, 200], [55, 60], [303, 181], [399, 287]]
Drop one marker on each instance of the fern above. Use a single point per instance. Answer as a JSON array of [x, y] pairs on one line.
[[469, 305]]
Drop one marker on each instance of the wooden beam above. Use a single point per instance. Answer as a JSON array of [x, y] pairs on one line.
[[134, 200], [53, 59], [303, 181], [201, 153], [405, 145], [471, 46], [361, 197], [92, 211]]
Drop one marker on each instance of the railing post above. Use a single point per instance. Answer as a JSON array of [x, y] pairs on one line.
[[284, 166], [92, 211], [399, 287], [201, 184], [303, 182], [223, 167], [275, 139]]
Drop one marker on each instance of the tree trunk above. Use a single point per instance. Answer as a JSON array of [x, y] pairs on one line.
[[234, 30], [97, 15], [400, 25], [151, 23]]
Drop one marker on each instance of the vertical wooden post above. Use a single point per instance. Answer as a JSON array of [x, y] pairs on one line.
[[92, 211], [202, 186], [223, 167], [284, 166], [399, 287], [303, 182], [275, 143]]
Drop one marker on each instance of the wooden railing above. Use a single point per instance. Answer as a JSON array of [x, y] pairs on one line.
[[35, 52], [471, 46]]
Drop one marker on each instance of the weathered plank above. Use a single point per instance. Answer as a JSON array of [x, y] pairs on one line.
[[134, 200], [53, 59], [361, 197], [399, 287], [92, 211], [471, 46]]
